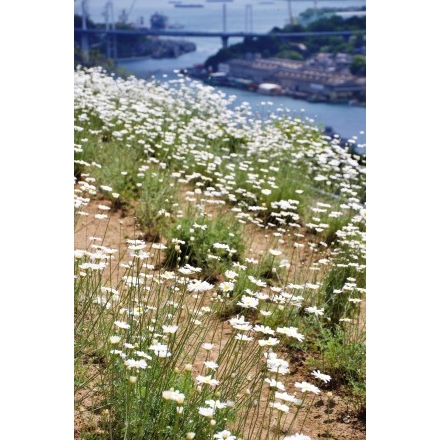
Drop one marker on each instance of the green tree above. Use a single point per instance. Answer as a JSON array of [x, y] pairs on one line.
[[290, 55], [282, 47], [359, 65]]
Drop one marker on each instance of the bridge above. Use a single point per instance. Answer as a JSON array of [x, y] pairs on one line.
[[113, 33]]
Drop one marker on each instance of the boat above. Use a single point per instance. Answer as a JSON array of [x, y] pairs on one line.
[[176, 26], [218, 79], [188, 5], [158, 21], [269, 89]]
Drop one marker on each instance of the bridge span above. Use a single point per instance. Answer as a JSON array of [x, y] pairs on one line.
[[223, 35]]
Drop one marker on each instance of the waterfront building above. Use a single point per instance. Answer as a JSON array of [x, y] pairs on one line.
[[311, 79]]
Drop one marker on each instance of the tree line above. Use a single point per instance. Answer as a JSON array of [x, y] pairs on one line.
[[304, 47]]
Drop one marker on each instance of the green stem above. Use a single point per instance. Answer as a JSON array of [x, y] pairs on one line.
[[308, 410]]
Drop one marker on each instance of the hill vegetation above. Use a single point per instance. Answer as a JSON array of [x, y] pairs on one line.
[[303, 48], [219, 268]]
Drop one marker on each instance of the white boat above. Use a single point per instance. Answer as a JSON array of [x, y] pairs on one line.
[[269, 89]]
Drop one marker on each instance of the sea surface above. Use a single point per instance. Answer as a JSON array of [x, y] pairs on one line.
[[237, 15]]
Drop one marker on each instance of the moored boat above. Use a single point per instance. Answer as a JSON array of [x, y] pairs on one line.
[[188, 5], [269, 89]]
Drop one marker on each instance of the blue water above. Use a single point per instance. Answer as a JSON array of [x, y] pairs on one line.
[[348, 121]]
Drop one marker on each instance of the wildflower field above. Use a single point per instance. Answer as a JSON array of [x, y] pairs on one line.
[[219, 268]]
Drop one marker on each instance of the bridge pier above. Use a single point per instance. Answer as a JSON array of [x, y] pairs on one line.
[[85, 47], [224, 41]]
